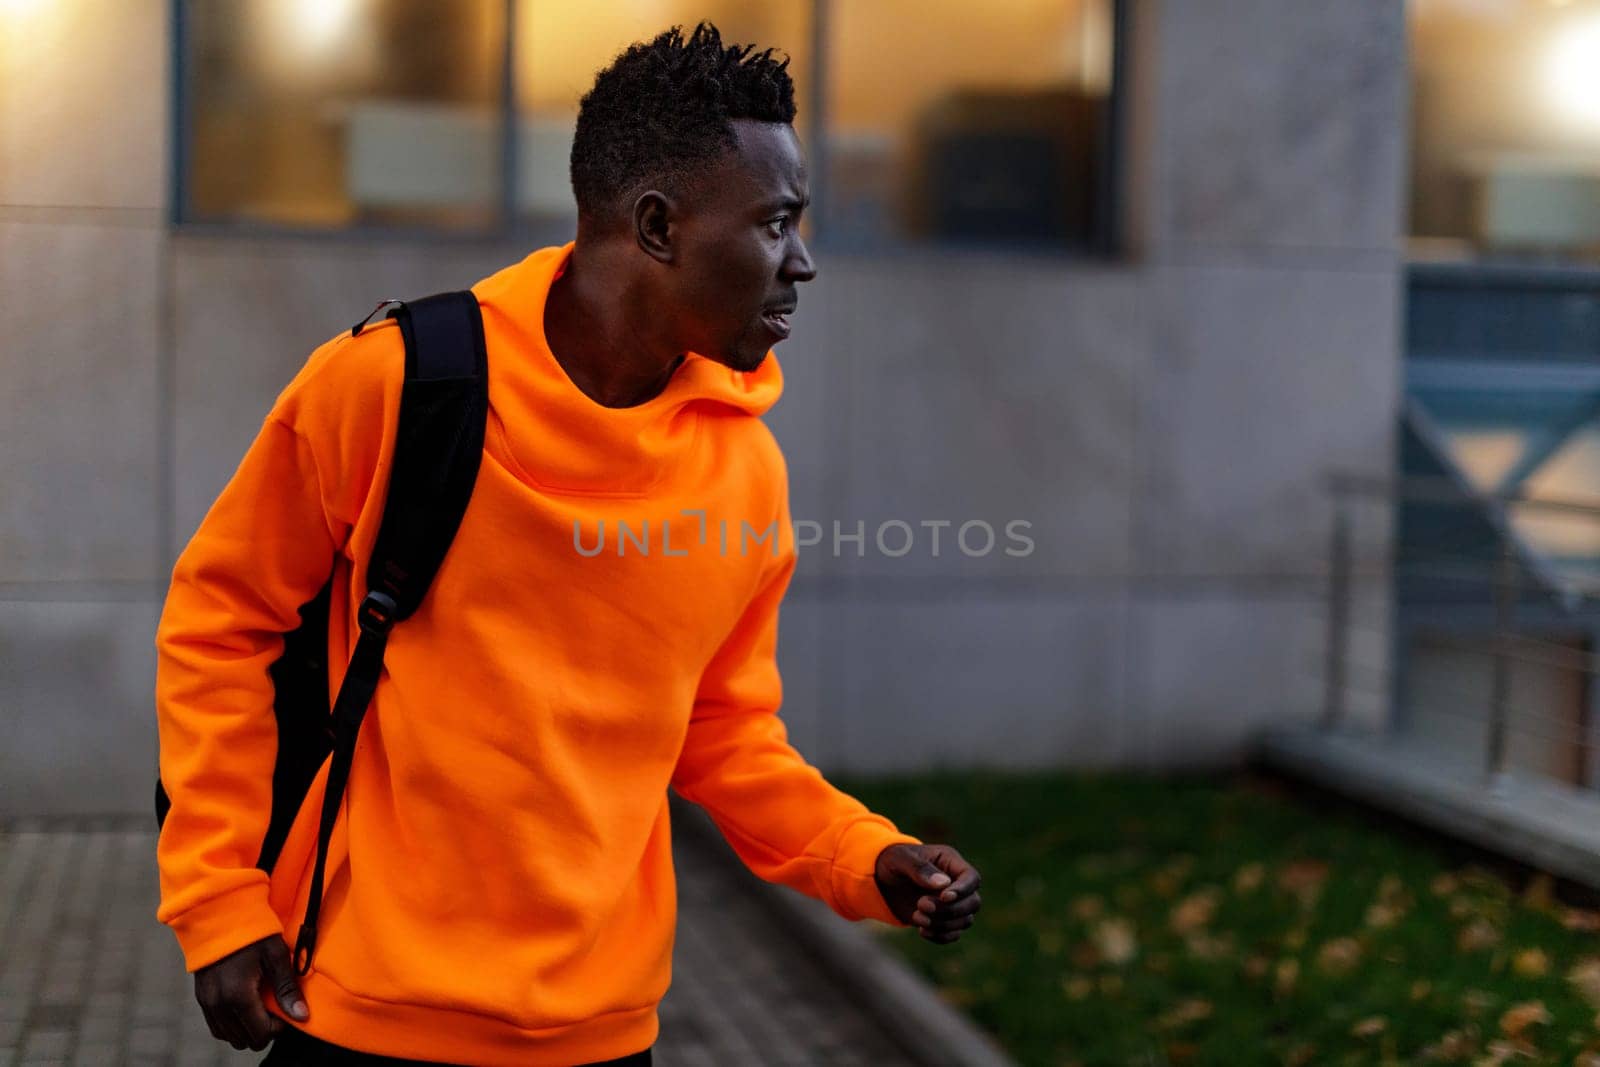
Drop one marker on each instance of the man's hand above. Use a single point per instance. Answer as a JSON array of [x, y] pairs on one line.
[[230, 993], [930, 887]]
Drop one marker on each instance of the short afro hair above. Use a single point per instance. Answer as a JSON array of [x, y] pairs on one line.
[[665, 108]]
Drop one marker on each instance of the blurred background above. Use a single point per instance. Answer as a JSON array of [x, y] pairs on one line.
[[1279, 322], [1138, 281]]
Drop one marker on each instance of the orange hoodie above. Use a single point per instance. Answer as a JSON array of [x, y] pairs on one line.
[[500, 886]]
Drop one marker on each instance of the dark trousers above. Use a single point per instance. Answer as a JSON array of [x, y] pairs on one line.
[[296, 1048]]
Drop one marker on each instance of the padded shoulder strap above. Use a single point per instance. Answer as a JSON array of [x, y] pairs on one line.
[[443, 407]]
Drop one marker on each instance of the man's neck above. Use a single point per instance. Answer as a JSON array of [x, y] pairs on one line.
[[607, 352]]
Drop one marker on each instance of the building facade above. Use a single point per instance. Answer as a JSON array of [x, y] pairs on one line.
[[1162, 411]]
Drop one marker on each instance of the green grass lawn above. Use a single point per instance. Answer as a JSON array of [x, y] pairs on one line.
[[1237, 921]]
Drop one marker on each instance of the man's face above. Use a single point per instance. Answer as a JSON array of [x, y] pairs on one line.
[[740, 252]]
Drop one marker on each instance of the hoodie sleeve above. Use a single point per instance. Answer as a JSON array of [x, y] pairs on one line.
[[783, 819], [265, 547]]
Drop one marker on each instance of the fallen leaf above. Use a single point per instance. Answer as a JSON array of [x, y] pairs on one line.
[[1453, 1047], [1284, 979], [1444, 884], [1370, 1027], [1085, 908], [1181, 1051], [1256, 966], [1170, 878], [1300, 1055], [1539, 892], [1581, 919], [1521, 1016], [959, 996], [1077, 987], [1477, 936], [1476, 1001], [1184, 1013], [1303, 878], [1115, 940], [1195, 910], [1382, 914], [1530, 963], [1586, 1059], [1204, 946], [1585, 978], [1248, 879], [1420, 989], [1480, 878], [1339, 956], [1084, 956], [1499, 1052]]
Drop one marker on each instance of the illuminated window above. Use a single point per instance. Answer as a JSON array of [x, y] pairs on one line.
[[1506, 128], [959, 122], [333, 113], [922, 121]]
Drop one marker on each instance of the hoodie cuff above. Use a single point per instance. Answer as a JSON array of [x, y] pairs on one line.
[[855, 889], [224, 924]]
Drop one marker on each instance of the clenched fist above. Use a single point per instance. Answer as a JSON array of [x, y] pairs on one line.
[[930, 887], [230, 993]]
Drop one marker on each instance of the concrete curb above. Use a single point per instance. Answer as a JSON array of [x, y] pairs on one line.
[[904, 1003], [1546, 825]]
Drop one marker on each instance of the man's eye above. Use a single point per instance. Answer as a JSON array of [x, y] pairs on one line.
[[778, 225]]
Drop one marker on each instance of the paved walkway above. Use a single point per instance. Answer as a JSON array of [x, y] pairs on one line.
[[88, 977]]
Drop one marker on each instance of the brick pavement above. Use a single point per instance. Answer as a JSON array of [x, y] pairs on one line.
[[88, 977]]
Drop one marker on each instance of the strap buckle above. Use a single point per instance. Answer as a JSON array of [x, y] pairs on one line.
[[376, 614]]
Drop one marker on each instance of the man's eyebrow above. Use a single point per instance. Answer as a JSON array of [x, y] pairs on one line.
[[788, 202]]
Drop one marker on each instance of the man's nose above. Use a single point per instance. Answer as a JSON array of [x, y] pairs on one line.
[[797, 266]]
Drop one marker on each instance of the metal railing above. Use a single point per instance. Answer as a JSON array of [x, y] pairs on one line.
[[1458, 582]]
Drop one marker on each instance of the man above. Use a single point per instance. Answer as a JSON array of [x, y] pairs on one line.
[[500, 887]]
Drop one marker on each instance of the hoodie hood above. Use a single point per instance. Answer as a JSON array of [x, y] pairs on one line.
[[556, 436]]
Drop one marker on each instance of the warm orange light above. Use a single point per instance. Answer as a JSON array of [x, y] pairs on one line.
[[1572, 71]]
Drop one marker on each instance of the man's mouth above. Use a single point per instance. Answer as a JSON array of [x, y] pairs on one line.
[[777, 319]]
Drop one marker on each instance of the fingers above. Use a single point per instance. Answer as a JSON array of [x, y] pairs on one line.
[[943, 923], [231, 992], [278, 967], [233, 1025], [944, 933], [966, 882], [224, 1027], [260, 1026], [963, 906]]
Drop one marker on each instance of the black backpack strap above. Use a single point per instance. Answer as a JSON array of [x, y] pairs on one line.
[[443, 408]]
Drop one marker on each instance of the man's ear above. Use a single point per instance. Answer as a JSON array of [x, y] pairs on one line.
[[654, 215]]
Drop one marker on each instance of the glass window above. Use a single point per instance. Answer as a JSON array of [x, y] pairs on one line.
[[1505, 101], [560, 48], [343, 112], [945, 124], [933, 124], [1540, 443]]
